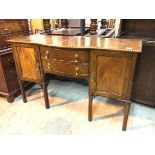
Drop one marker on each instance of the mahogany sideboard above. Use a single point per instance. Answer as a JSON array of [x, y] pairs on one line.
[[106, 63], [10, 28]]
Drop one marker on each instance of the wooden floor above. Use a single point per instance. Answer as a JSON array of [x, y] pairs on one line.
[[68, 113]]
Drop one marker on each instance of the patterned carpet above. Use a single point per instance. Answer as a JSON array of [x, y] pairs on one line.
[[68, 113]]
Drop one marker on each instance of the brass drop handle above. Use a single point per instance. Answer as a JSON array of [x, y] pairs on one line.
[[6, 29], [77, 71], [76, 57], [93, 77], [49, 66], [47, 55], [37, 65]]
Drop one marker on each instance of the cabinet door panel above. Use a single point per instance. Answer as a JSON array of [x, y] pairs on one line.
[[111, 73], [27, 58]]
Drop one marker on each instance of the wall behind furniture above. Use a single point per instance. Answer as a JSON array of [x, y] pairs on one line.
[[36, 24]]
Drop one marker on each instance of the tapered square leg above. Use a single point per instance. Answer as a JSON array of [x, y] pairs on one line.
[[22, 91], [126, 113], [90, 107], [44, 86]]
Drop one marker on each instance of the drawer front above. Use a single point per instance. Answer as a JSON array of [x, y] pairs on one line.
[[68, 69], [23, 25], [12, 26], [7, 60], [68, 55], [10, 72], [13, 84], [5, 27]]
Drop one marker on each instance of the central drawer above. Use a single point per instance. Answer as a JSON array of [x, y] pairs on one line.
[[68, 55], [12, 26], [65, 69]]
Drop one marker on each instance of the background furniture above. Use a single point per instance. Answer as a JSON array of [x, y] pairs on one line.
[[66, 32], [73, 27], [107, 29], [108, 64], [144, 82], [69, 27], [10, 29], [47, 25]]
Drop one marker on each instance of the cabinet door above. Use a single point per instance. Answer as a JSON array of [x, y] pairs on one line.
[[27, 60], [111, 73]]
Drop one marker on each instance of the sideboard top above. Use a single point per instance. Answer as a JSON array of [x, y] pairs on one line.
[[92, 42]]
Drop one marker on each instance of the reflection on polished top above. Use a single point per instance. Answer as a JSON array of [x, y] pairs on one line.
[[92, 42]]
